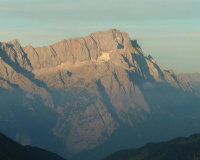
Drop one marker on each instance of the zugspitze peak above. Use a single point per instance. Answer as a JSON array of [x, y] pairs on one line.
[[92, 95]]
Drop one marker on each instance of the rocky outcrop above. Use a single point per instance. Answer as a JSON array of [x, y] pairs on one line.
[[95, 89], [13, 53], [193, 79]]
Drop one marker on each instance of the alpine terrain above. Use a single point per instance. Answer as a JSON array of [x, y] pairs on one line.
[[85, 98]]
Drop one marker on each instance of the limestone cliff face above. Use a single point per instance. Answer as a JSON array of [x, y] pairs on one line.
[[95, 86], [12, 72]]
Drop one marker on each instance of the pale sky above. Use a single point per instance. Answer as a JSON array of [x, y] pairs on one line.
[[169, 30]]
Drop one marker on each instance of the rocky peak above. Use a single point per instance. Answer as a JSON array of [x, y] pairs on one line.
[[83, 49], [171, 72], [112, 46], [109, 40], [13, 54], [112, 39], [14, 42]]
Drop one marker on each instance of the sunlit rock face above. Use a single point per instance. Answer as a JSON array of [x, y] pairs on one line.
[[88, 94]]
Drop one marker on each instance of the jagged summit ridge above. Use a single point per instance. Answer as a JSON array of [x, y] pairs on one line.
[[80, 49], [113, 45]]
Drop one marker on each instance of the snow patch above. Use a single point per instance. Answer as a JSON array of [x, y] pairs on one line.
[[104, 57]]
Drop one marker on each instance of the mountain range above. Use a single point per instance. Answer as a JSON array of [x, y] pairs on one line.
[[88, 97]]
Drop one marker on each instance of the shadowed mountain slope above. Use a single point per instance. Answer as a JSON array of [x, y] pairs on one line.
[[10, 150], [176, 149]]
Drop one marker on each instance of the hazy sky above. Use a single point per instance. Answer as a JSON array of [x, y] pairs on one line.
[[169, 30]]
